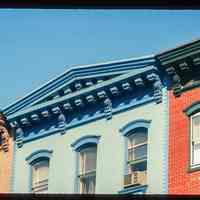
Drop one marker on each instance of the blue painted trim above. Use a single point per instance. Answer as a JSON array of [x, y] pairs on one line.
[[134, 190], [38, 156], [192, 109], [42, 153], [88, 139], [88, 120], [140, 123], [77, 94], [38, 93]]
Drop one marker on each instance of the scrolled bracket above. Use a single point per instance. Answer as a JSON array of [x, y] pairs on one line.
[[19, 137], [108, 108]]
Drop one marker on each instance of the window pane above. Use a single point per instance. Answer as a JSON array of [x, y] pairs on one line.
[[138, 152], [88, 185], [196, 154], [137, 138], [88, 159], [40, 176]]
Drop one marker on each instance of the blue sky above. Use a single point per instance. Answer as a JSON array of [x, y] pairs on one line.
[[37, 45]]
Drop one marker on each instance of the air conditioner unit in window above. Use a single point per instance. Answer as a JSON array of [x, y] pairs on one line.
[[135, 178]]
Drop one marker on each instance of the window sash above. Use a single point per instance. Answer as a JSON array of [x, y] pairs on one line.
[[87, 185], [137, 152], [40, 176], [88, 160]]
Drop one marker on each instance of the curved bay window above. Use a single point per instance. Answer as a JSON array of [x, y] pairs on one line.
[[40, 171], [87, 169], [137, 157]]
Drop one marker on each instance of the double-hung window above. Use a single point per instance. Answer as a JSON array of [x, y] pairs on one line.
[[195, 139], [87, 169], [137, 158], [40, 171]]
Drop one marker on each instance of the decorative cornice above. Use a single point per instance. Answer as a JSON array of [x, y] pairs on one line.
[[182, 65], [76, 78], [62, 111]]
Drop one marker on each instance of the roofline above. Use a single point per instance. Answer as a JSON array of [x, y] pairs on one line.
[[178, 47], [71, 68], [78, 93]]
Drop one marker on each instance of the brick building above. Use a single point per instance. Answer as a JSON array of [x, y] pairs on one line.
[[182, 64], [6, 152]]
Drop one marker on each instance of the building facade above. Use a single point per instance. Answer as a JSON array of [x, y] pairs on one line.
[[94, 129], [6, 155], [182, 65]]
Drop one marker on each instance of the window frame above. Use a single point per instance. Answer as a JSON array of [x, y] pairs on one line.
[[127, 130], [35, 158], [79, 145], [190, 111], [192, 166]]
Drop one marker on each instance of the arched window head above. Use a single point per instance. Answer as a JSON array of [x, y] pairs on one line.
[[39, 168], [85, 141], [136, 137], [86, 149]]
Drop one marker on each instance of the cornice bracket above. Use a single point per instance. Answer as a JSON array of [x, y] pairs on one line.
[[108, 108], [19, 137]]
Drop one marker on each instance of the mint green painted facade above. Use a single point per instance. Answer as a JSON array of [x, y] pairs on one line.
[[110, 153]]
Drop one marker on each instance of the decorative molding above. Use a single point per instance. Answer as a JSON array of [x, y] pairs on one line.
[[157, 86], [176, 85], [19, 137], [134, 190], [74, 74], [108, 108], [4, 137], [4, 133], [140, 123], [87, 139], [42, 153], [192, 109], [62, 122]]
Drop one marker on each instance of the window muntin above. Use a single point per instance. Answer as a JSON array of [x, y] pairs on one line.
[[40, 172], [87, 169], [137, 146], [137, 158], [195, 139]]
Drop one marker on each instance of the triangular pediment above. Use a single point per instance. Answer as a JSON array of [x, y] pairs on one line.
[[76, 79]]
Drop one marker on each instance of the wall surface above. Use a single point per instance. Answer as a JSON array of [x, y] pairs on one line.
[[6, 168], [180, 180], [110, 153]]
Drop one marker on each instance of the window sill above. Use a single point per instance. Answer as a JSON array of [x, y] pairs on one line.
[[141, 189]]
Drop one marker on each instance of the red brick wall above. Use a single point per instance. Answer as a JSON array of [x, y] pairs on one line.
[[180, 180]]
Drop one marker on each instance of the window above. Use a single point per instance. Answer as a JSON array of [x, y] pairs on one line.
[[195, 139], [87, 169], [86, 162], [40, 171], [137, 158]]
